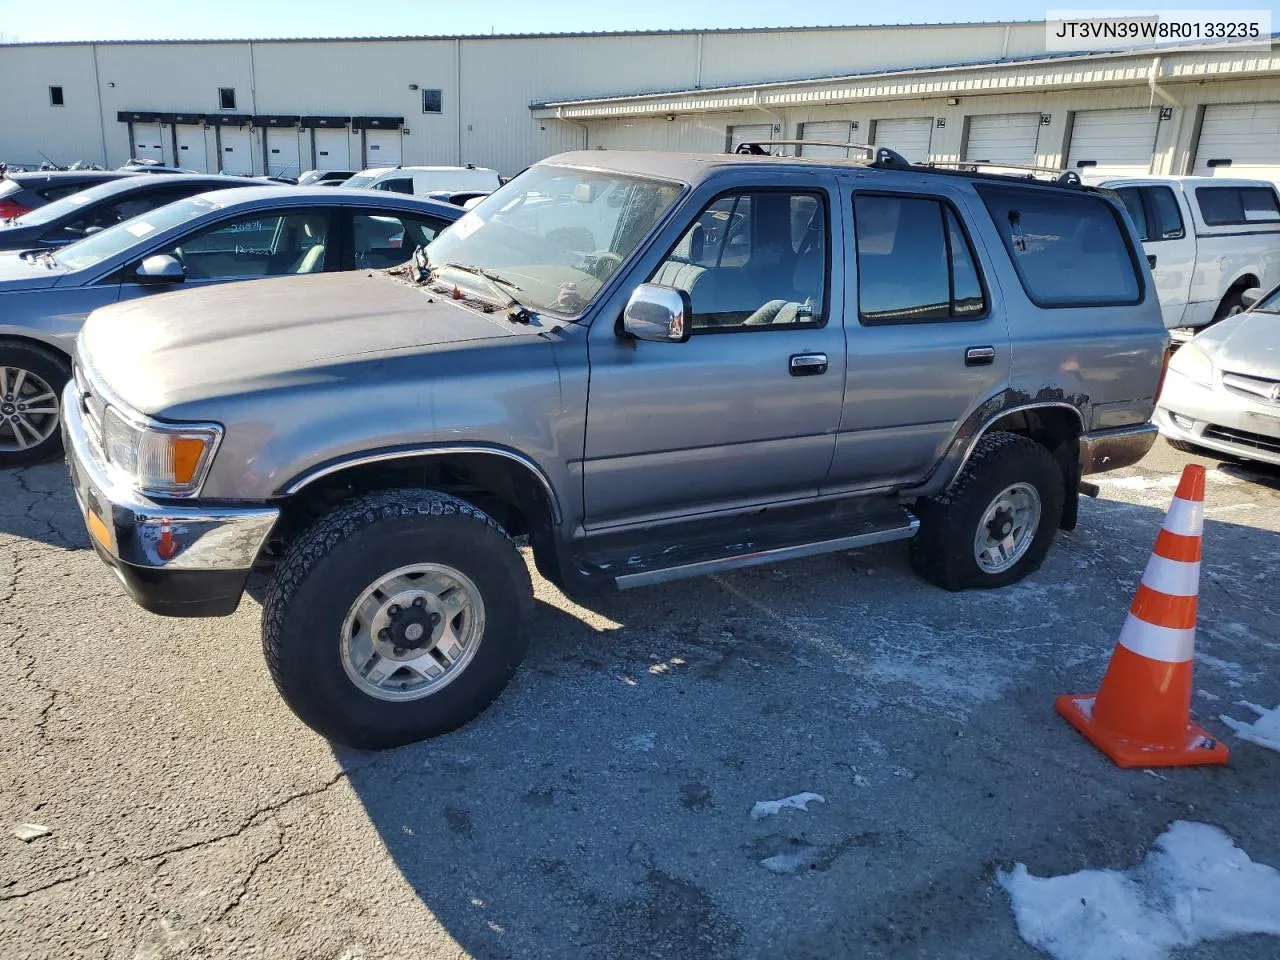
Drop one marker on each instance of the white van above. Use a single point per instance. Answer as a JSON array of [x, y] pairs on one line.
[[1207, 239], [422, 181]]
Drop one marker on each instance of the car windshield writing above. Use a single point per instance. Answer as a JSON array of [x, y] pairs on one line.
[[557, 232], [99, 247], [67, 206]]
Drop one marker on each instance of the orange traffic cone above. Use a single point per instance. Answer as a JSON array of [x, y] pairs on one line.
[[1141, 716]]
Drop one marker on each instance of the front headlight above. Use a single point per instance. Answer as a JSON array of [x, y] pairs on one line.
[[159, 458], [1193, 363]]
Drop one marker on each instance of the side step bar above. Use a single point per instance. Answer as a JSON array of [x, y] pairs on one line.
[[646, 578]]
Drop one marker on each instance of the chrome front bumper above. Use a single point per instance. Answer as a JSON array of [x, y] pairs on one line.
[[177, 559], [1217, 419]]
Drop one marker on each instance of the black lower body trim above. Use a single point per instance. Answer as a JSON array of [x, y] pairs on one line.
[[179, 593]]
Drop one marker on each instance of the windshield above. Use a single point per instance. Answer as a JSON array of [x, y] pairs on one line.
[[67, 205], [556, 233], [99, 247], [359, 180]]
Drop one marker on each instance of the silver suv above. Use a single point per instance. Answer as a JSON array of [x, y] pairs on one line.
[[651, 366]]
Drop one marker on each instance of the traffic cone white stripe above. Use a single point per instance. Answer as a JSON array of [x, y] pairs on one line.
[[1176, 578], [1166, 644], [1185, 517]]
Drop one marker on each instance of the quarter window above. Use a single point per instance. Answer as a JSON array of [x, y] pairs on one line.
[[395, 185], [915, 263], [1225, 206], [1068, 247], [753, 260]]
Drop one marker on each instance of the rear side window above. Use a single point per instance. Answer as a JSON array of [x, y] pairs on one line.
[[1132, 198], [915, 263], [1166, 214], [1069, 249], [1226, 206], [396, 185], [49, 194]]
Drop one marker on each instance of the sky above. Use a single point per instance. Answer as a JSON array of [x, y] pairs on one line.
[[28, 21]]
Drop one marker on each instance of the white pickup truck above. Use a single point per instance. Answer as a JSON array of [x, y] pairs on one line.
[[1207, 239]]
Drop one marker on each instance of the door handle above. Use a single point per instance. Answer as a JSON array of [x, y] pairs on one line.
[[808, 364], [979, 356], [1151, 260]]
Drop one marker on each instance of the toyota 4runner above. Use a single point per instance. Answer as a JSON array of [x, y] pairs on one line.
[[649, 365]]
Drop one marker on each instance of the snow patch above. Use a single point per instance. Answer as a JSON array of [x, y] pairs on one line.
[[769, 808], [1196, 885], [1211, 697], [641, 741], [1265, 731], [801, 859], [1227, 668]]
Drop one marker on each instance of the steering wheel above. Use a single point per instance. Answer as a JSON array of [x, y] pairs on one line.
[[601, 263]]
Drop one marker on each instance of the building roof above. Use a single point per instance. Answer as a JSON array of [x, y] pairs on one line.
[[541, 36]]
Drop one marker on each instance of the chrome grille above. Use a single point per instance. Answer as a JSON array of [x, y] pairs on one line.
[[1255, 388], [92, 406]]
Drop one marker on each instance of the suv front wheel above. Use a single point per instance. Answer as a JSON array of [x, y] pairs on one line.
[[995, 523], [395, 618]]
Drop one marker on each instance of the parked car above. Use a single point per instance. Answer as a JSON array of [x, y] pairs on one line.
[[673, 375], [1222, 391], [241, 234], [143, 165], [325, 177], [425, 181], [20, 193], [70, 219], [1207, 240]]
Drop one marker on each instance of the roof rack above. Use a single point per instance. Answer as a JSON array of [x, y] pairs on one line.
[[885, 159]]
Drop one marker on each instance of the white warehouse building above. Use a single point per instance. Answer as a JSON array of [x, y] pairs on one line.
[[957, 92]]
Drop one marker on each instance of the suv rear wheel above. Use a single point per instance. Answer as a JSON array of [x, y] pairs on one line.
[[995, 523], [395, 618]]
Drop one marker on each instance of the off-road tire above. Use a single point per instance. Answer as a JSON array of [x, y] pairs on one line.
[[327, 567], [942, 552], [53, 370]]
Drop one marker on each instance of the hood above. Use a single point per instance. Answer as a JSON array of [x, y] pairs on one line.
[[19, 274], [1247, 343], [158, 351]]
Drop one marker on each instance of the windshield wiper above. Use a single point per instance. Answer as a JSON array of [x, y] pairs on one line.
[[516, 311], [39, 256]]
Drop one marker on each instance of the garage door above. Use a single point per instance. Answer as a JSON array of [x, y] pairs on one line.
[[333, 151], [1003, 138], [833, 131], [749, 133], [191, 149], [282, 152], [237, 151], [908, 137], [148, 142], [1240, 140], [1113, 143], [382, 148]]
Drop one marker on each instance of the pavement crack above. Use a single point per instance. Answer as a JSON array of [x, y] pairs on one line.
[[243, 890]]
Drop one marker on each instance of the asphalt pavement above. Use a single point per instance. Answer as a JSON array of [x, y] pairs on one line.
[[602, 807]]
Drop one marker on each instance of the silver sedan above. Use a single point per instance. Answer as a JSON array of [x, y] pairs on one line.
[[1222, 390], [236, 234]]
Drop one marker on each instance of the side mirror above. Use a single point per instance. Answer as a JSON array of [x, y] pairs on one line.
[[161, 268], [1251, 296], [657, 313]]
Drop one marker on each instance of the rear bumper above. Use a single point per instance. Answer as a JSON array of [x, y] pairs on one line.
[[1105, 450], [177, 560]]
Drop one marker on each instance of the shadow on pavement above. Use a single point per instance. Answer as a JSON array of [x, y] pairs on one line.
[[601, 808]]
